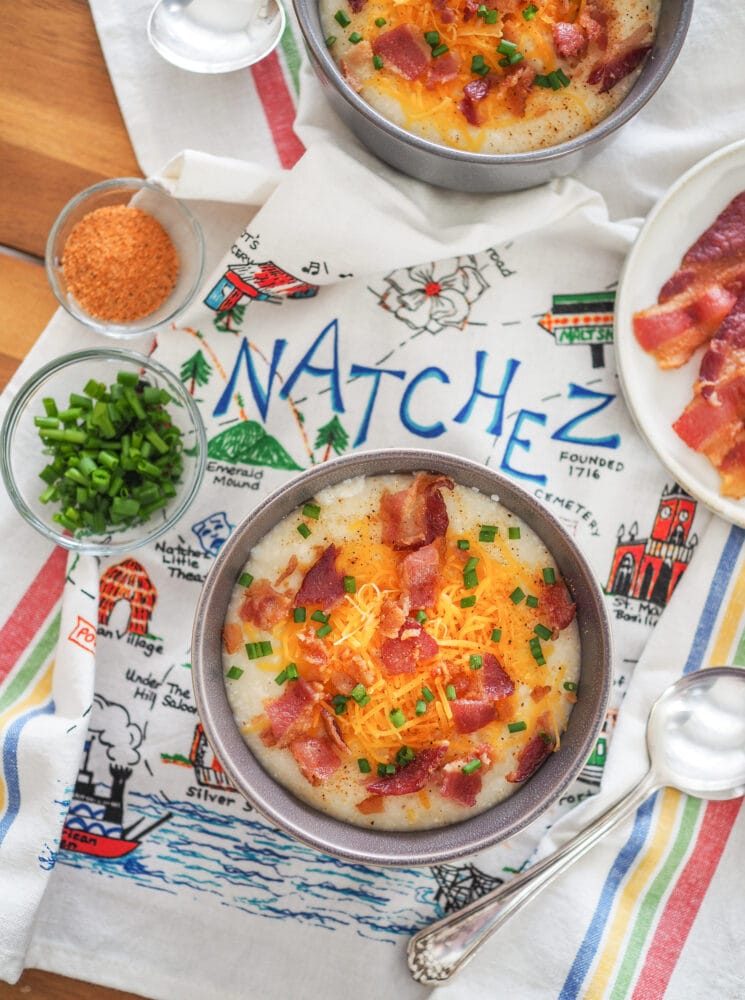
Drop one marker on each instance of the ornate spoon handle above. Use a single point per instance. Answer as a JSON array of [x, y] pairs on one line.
[[437, 952]]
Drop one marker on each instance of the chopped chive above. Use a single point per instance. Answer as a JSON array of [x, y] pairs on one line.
[[468, 602], [266, 648], [471, 564], [543, 632], [330, 40], [450, 693], [517, 727], [432, 38], [350, 585], [364, 765], [386, 769], [477, 63], [513, 532], [234, 673], [256, 650], [470, 579], [405, 756], [323, 631], [541, 80], [475, 661], [516, 57], [291, 669], [427, 694], [312, 510], [50, 407], [464, 544], [358, 693], [487, 533], [471, 766], [341, 18], [530, 12], [397, 717], [377, 61], [496, 635], [421, 706], [549, 576], [506, 48], [440, 50], [532, 601], [245, 580], [299, 614], [319, 616], [303, 529], [421, 616], [562, 77], [491, 16], [380, 21], [570, 686], [339, 701], [517, 595], [281, 678], [355, 38]]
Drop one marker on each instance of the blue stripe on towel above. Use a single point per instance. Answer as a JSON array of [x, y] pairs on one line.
[[10, 764], [717, 590]]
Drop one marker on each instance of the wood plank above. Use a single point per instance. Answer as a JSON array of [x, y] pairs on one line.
[[60, 125], [26, 306], [37, 985]]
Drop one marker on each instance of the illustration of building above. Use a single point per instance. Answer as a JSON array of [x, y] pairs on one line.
[[649, 569], [458, 885], [127, 581], [262, 282], [207, 768]]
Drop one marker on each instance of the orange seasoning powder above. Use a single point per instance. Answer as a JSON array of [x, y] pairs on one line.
[[119, 263]]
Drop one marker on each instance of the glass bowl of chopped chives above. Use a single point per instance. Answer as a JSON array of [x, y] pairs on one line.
[[102, 450], [125, 257]]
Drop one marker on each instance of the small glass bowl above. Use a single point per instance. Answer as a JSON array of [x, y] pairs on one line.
[[22, 456], [173, 215]]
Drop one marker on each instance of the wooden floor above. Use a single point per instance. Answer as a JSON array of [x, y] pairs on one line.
[[60, 131]]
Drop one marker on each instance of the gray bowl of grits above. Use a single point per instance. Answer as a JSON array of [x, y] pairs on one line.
[[384, 665], [488, 97]]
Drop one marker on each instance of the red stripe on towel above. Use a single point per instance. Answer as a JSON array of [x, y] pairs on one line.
[[32, 610], [685, 900], [279, 108]]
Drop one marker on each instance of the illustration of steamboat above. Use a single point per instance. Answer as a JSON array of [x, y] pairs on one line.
[[94, 823]]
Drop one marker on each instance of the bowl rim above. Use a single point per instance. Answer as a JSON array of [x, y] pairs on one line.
[[13, 416], [124, 330], [364, 845], [634, 101]]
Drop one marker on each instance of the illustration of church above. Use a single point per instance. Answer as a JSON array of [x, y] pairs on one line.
[[649, 569]]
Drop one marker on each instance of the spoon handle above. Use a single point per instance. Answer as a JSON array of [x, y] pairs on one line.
[[438, 951]]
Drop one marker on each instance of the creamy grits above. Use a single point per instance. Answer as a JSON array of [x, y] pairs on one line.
[[401, 652], [496, 77]]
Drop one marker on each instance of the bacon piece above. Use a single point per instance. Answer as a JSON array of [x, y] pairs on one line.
[[539, 692], [356, 5], [447, 13], [623, 59], [314, 649], [232, 637], [557, 605], [404, 50], [535, 751], [316, 758], [593, 20], [357, 65], [287, 571], [515, 86], [464, 788], [732, 470], [496, 683], [673, 330], [323, 584], [391, 619], [372, 804], [290, 714], [419, 573], [264, 606], [417, 515], [470, 715], [474, 92], [725, 356], [711, 428], [570, 41], [442, 69], [411, 777], [402, 654], [332, 730]]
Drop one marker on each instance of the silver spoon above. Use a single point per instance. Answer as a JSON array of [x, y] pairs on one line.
[[696, 743], [215, 36]]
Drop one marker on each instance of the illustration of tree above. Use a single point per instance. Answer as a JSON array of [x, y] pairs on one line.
[[332, 435], [196, 370], [229, 320]]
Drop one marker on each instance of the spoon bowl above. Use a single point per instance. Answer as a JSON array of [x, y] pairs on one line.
[[215, 36], [696, 744]]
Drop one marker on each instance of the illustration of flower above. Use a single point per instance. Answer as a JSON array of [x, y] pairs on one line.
[[430, 297]]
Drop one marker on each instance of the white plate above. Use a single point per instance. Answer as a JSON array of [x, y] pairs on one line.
[[656, 398]]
